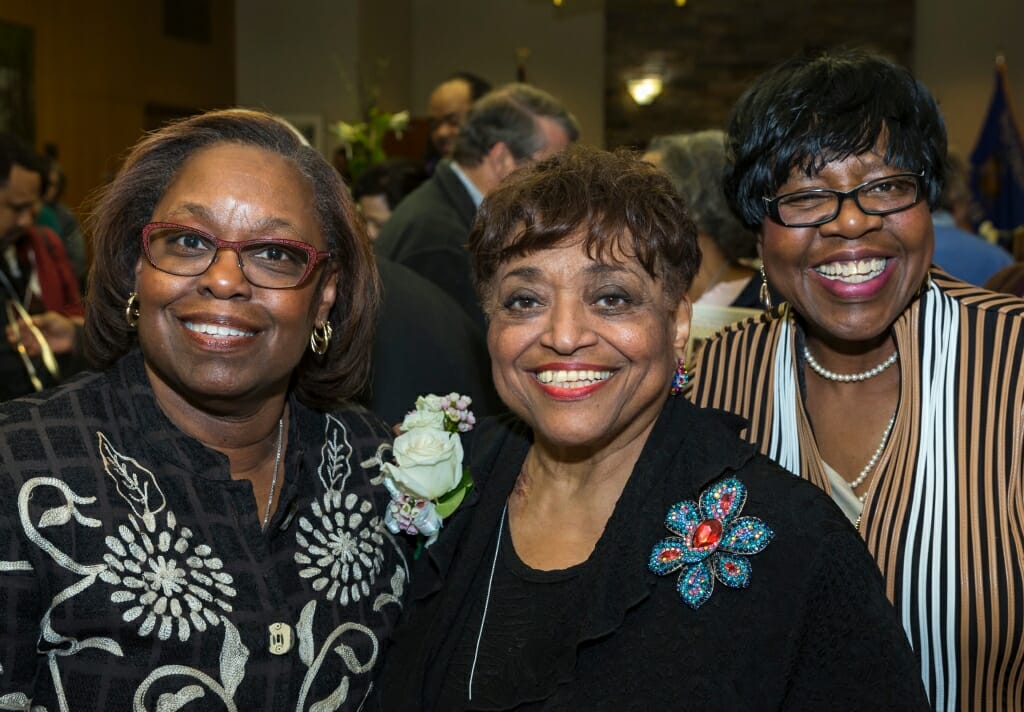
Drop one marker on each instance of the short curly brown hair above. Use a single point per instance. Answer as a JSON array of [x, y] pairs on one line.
[[123, 207], [614, 199]]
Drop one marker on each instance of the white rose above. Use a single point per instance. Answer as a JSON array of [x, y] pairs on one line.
[[423, 419], [429, 462], [430, 403]]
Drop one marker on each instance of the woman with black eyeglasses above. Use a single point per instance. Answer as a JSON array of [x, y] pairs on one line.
[[892, 386], [191, 526]]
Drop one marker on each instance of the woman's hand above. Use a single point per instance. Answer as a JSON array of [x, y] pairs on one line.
[[57, 329]]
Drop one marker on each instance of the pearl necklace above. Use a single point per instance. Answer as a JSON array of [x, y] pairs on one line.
[[849, 377], [859, 479], [273, 480]]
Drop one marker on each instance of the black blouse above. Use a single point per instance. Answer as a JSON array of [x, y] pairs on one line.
[[134, 573], [813, 630]]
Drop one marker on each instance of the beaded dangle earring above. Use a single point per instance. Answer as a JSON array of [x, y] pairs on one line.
[[765, 295], [680, 379]]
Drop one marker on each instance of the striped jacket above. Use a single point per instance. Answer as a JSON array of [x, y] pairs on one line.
[[944, 515]]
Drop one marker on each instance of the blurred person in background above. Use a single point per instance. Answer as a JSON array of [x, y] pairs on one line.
[[43, 305], [446, 108], [958, 250], [508, 128], [695, 162], [380, 189]]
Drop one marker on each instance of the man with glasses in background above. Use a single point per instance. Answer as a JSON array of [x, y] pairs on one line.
[[42, 304]]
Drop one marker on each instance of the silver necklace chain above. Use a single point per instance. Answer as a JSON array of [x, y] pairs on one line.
[[487, 600], [849, 377], [859, 479], [273, 480]]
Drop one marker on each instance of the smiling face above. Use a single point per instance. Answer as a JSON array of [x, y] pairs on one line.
[[582, 350], [214, 339], [849, 278]]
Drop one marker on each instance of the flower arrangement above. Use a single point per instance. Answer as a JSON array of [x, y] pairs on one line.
[[427, 481], [364, 141]]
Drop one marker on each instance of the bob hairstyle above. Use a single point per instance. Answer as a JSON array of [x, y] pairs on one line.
[[808, 112], [695, 162], [613, 201], [124, 206]]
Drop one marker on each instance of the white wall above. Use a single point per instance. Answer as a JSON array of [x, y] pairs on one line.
[[298, 58]]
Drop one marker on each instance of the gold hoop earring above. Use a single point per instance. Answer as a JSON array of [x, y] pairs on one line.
[[765, 295], [320, 339], [131, 310]]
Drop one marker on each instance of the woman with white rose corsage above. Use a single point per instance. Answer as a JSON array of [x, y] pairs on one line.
[[190, 528], [622, 548]]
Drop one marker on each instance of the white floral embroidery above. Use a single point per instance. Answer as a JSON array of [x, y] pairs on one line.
[[164, 578], [344, 547]]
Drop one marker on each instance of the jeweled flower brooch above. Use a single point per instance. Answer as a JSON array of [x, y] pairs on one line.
[[713, 542]]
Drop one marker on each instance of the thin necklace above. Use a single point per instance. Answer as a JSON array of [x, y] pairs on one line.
[[859, 479], [849, 377], [487, 600], [273, 480]]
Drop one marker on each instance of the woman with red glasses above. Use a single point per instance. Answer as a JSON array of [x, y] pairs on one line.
[[191, 524], [895, 388]]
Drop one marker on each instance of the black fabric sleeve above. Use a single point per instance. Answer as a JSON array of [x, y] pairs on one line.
[[852, 652]]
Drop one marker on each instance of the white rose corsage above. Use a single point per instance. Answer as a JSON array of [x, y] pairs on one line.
[[426, 479]]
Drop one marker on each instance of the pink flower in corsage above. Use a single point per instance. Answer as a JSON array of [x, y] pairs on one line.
[[713, 542], [427, 481]]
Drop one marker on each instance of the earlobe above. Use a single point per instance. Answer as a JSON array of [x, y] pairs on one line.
[[501, 160], [327, 296]]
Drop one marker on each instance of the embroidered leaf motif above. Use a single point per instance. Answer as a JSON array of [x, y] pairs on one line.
[[304, 629], [334, 466], [136, 485], [56, 517], [233, 657], [334, 700], [171, 703]]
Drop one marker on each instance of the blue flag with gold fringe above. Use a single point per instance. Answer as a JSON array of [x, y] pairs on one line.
[[997, 164]]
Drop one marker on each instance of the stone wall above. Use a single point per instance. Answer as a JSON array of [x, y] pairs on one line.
[[709, 50]]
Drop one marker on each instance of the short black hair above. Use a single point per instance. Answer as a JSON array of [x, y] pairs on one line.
[[810, 111], [16, 152], [394, 179]]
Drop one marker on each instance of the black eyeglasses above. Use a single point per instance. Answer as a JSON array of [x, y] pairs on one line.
[[807, 208], [268, 262]]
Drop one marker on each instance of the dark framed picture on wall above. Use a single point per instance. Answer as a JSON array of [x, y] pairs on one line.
[[17, 103]]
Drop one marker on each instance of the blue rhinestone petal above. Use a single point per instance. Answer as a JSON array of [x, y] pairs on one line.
[[696, 584], [723, 500], [681, 555], [682, 518], [732, 570], [747, 535]]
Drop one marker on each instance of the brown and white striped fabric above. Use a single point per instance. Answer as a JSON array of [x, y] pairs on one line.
[[944, 516]]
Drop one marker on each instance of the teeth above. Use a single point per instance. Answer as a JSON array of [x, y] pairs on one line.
[[854, 271], [573, 379], [214, 330]]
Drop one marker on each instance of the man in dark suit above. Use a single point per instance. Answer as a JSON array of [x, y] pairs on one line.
[[429, 230]]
